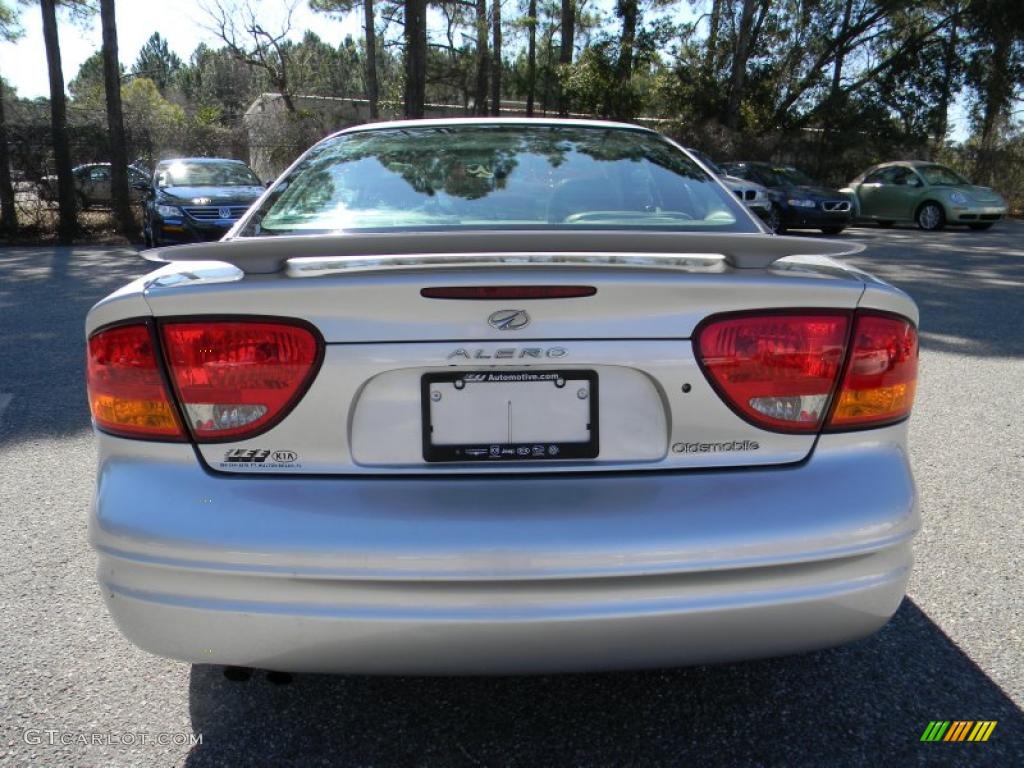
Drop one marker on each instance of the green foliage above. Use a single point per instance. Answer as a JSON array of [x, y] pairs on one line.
[[10, 27], [155, 124], [157, 62]]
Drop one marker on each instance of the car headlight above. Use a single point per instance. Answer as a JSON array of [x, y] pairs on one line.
[[168, 210], [958, 198], [801, 203]]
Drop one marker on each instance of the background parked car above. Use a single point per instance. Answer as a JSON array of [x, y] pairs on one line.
[[753, 195], [798, 201], [196, 198], [92, 184], [927, 193]]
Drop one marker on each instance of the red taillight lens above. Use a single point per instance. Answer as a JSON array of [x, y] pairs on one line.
[[881, 377], [127, 394], [778, 371], [235, 379]]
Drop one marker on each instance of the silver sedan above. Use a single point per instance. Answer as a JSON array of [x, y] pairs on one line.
[[501, 396]]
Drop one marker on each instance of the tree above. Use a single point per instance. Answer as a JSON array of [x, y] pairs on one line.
[[9, 32], [566, 50], [67, 225], [86, 88], [370, 44], [629, 12], [237, 23], [119, 193], [156, 125], [752, 18], [496, 58], [995, 72], [482, 55], [342, 7], [415, 57], [531, 57], [157, 62]]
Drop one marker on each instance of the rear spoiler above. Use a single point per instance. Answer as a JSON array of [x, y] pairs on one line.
[[308, 254]]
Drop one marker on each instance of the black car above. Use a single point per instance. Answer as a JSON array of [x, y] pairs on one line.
[[192, 199], [798, 201]]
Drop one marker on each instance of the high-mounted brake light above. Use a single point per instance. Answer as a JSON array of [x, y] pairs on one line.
[[127, 394], [235, 379], [778, 371], [508, 292], [881, 376]]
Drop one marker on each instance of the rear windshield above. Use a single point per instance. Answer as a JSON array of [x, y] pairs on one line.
[[507, 176], [185, 174]]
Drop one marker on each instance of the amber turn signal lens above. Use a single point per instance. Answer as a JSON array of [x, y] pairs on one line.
[[127, 394], [881, 375]]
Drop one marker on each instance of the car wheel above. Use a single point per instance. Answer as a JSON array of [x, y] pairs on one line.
[[773, 220], [884, 224], [832, 230], [931, 217], [981, 227]]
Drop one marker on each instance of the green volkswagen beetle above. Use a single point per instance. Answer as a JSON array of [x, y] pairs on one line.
[[929, 194]]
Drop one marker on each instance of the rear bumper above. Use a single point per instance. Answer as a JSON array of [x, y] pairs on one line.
[[501, 575]]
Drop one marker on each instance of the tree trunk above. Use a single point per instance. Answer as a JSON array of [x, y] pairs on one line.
[[67, 225], [372, 89], [711, 54], [415, 57], [737, 81], [998, 93], [531, 58], [565, 53], [835, 94], [119, 194], [8, 211], [496, 59], [948, 77], [629, 10], [482, 63]]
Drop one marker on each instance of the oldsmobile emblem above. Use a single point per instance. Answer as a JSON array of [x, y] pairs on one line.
[[509, 319]]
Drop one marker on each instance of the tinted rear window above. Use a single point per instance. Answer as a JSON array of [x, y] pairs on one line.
[[507, 176]]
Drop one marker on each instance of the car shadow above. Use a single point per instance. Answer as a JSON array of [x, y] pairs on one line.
[[867, 703], [968, 285], [45, 293]]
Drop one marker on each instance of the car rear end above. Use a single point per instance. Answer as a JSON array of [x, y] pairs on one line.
[[456, 453]]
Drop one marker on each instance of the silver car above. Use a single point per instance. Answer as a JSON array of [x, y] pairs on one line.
[[753, 195], [500, 396]]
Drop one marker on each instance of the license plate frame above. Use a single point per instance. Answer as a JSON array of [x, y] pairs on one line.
[[498, 452]]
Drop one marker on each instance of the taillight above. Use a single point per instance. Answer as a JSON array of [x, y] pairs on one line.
[[127, 394], [235, 379], [881, 376], [778, 371]]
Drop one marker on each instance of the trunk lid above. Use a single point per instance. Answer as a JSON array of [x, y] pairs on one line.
[[399, 367]]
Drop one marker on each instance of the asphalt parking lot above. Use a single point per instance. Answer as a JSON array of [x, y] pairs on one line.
[[955, 650]]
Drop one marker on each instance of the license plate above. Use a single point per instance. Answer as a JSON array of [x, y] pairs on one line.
[[499, 415]]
